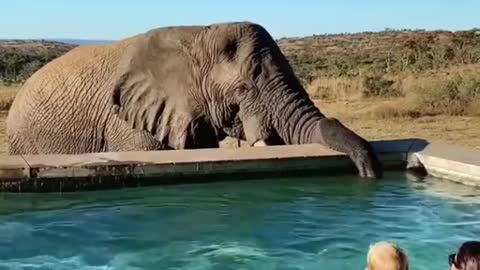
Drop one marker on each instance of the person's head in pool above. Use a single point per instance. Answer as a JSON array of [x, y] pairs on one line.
[[467, 257], [386, 256]]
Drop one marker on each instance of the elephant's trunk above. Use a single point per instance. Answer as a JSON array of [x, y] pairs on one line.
[[295, 118], [298, 121], [293, 114]]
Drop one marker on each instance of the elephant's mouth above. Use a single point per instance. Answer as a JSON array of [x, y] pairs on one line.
[[234, 128]]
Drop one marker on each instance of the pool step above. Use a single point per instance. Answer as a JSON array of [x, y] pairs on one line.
[[459, 164]]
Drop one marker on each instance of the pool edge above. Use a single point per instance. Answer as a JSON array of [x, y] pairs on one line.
[[117, 169]]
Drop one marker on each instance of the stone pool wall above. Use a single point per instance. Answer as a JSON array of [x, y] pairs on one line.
[[52, 173]]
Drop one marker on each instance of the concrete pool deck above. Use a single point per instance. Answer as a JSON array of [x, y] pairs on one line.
[[51, 173]]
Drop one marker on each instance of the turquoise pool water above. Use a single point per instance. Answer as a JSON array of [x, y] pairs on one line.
[[302, 223]]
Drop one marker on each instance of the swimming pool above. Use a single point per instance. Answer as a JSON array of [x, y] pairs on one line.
[[293, 223]]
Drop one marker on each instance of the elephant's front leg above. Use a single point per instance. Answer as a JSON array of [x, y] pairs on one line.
[[119, 137]]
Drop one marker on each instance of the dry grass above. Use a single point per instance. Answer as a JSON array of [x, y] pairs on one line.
[[357, 115], [331, 88], [449, 94], [3, 131], [452, 91], [7, 94], [389, 110]]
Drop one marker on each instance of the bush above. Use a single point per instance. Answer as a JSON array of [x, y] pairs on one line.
[[452, 95], [378, 86]]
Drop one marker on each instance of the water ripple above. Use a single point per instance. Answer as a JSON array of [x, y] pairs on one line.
[[303, 223]]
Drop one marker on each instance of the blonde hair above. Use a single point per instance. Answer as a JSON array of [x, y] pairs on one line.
[[386, 256]]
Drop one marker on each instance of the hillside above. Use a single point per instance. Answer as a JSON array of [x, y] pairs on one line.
[[427, 72], [387, 52], [20, 58], [361, 54]]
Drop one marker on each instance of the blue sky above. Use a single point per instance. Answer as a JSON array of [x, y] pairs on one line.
[[115, 19]]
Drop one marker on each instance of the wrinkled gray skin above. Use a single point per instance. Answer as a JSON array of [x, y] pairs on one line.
[[174, 88]]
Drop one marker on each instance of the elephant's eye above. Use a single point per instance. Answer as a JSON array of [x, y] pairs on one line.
[[231, 49], [240, 92]]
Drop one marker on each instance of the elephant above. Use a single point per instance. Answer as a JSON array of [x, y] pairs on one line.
[[171, 88]]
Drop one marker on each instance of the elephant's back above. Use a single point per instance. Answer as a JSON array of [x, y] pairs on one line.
[[62, 94], [80, 74]]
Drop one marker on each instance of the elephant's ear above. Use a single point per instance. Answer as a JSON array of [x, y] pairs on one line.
[[152, 78]]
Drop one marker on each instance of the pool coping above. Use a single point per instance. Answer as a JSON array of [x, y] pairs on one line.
[[48, 173]]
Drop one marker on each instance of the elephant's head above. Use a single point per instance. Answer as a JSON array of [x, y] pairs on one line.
[[229, 79]]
